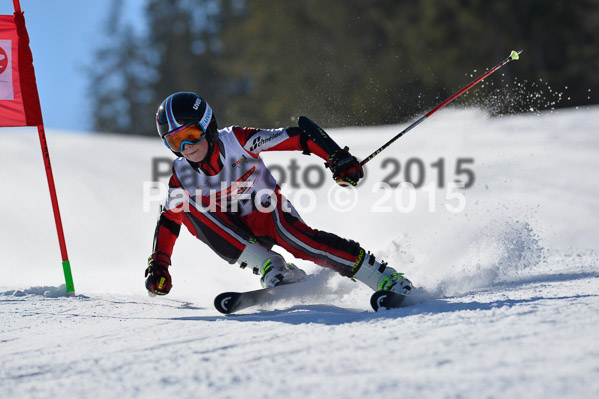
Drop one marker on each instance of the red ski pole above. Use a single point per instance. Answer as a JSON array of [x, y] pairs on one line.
[[513, 56]]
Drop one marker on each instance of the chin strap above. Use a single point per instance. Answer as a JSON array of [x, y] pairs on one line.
[[206, 165]]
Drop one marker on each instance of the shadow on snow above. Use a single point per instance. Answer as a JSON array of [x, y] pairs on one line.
[[333, 315]]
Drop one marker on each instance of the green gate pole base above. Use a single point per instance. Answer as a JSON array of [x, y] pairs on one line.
[[68, 277]]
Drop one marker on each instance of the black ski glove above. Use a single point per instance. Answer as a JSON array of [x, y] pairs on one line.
[[158, 279], [345, 167]]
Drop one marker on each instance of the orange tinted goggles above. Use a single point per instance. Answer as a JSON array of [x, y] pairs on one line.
[[187, 134]]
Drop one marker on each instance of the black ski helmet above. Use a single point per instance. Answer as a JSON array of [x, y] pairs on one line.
[[186, 108]]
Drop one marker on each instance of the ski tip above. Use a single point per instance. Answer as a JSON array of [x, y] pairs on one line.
[[515, 55], [224, 302]]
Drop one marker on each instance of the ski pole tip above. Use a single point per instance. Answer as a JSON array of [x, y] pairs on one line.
[[515, 55]]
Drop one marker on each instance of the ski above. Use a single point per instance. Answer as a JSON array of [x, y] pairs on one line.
[[231, 302], [386, 299]]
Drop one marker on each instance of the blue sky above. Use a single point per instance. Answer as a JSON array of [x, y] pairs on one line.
[[64, 35]]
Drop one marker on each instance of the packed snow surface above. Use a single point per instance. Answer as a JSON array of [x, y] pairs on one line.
[[507, 271]]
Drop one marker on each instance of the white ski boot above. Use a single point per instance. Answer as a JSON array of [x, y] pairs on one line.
[[274, 272], [379, 276], [270, 265]]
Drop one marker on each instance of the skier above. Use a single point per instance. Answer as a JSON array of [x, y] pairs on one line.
[[225, 196]]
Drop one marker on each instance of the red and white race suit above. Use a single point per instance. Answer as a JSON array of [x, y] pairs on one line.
[[232, 198]]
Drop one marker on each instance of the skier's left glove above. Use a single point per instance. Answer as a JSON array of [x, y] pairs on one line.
[[345, 167], [158, 279]]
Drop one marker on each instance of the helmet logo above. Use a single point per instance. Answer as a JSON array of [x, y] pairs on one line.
[[197, 104], [206, 118]]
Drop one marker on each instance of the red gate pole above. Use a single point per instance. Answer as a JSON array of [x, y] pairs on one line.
[[66, 265]]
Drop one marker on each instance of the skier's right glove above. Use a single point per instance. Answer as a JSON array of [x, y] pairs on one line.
[[345, 167], [158, 279]]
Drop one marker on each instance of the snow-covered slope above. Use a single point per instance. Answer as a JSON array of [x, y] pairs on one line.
[[509, 282]]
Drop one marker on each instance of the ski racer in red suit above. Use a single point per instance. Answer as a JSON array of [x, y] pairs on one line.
[[226, 197]]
